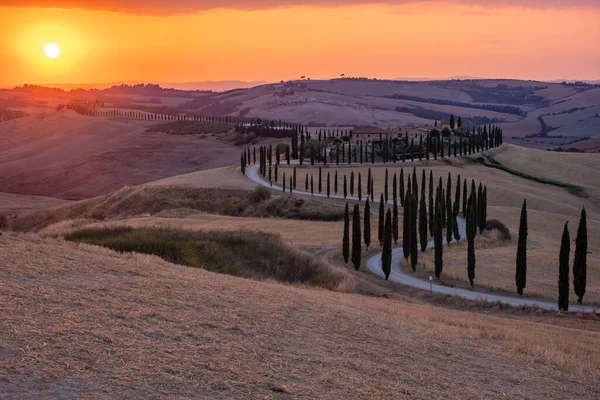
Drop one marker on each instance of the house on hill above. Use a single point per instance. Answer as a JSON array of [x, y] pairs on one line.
[[368, 134]]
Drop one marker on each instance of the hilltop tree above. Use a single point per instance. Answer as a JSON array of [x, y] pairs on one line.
[[580, 261], [356, 238], [367, 224], [438, 241], [346, 240], [386, 254], [521, 274], [381, 221], [563, 270]]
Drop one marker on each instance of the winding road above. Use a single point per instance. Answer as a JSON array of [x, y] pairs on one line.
[[399, 276]]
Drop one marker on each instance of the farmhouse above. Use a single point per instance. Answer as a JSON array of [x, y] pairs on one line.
[[369, 134]]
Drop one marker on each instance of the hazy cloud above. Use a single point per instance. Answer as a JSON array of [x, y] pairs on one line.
[[170, 7]]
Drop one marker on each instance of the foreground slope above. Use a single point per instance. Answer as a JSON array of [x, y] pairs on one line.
[[80, 321]]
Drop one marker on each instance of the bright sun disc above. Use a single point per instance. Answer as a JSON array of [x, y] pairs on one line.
[[52, 50]]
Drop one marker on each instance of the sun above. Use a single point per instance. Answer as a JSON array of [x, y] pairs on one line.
[[52, 50]]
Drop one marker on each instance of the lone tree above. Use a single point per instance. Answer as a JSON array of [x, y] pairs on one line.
[[367, 229], [438, 241], [381, 221], [386, 254], [356, 237], [580, 261], [563, 270], [521, 274], [346, 240]]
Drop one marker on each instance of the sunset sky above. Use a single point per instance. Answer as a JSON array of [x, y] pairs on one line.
[[197, 40]]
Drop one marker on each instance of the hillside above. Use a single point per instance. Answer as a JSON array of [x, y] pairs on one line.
[[134, 326], [69, 156]]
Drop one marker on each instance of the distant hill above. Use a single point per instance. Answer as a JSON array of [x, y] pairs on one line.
[[217, 86]]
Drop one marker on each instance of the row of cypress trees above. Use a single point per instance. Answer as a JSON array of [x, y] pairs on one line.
[[579, 260]]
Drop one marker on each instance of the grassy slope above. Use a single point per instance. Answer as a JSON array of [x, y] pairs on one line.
[[132, 325]]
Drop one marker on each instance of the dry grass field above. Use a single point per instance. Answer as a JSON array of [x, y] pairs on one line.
[[84, 322], [549, 207], [66, 155]]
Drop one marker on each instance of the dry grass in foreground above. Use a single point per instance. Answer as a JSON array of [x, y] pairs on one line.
[[80, 321], [246, 254]]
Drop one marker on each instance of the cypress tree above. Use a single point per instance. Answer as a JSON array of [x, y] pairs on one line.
[[456, 229], [449, 221], [352, 183], [385, 187], [320, 184], [283, 182], [395, 221], [381, 221], [449, 195], [386, 254], [580, 260], [306, 183], [372, 190], [294, 178], [369, 183], [480, 209], [521, 274], [464, 199], [328, 184], [402, 187], [406, 222], [312, 187], [563, 270], [335, 183], [291, 185], [408, 189], [367, 228], [395, 190], [346, 240], [457, 196], [471, 232], [423, 224], [414, 242], [438, 241], [356, 238], [345, 187], [359, 188], [415, 184], [431, 204]]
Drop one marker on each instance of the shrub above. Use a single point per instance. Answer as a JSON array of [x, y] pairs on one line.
[[259, 194], [494, 224]]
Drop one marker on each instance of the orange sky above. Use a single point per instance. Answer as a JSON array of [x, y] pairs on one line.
[[398, 39]]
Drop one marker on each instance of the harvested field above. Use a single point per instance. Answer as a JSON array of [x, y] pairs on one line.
[[96, 322]]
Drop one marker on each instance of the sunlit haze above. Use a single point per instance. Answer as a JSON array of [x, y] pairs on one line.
[[525, 40]]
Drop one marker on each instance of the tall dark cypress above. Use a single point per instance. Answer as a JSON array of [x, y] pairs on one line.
[[431, 204], [423, 223], [438, 241], [415, 184], [580, 260], [312, 186], [369, 183], [563, 270], [464, 199], [402, 186], [335, 183], [367, 224], [480, 209], [457, 196], [395, 189], [386, 254], [449, 220], [294, 178], [345, 187], [406, 223], [283, 181], [320, 184], [521, 273], [395, 221], [456, 227], [385, 187], [346, 239], [352, 183], [484, 209], [356, 238], [328, 184], [381, 221], [471, 232], [359, 188], [306, 183], [414, 233]]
